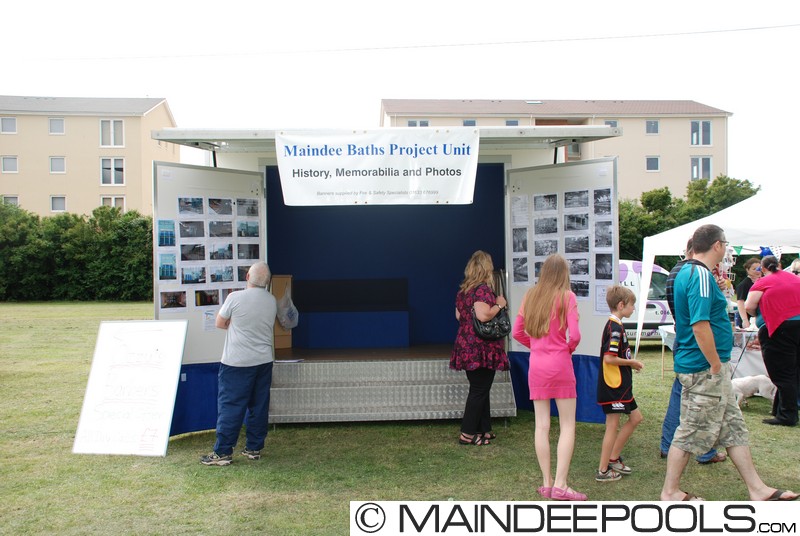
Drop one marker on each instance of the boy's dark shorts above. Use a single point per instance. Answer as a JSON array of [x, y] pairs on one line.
[[620, 407]]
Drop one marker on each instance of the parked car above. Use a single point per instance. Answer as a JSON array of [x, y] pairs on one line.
[[657, 312]]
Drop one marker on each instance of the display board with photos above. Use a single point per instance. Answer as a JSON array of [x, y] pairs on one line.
[[210, 228], [569, 210]]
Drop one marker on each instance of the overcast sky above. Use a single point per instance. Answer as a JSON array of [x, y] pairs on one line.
[[328, 64]]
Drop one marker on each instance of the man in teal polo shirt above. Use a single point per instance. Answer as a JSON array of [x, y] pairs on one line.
[[710, 416]]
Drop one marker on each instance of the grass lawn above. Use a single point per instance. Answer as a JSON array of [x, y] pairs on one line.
[[309, 473]]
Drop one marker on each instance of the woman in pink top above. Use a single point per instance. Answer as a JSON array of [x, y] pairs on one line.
[[547, 323], [777, 297]]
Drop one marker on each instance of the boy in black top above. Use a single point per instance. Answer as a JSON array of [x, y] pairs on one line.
[[615, 385]]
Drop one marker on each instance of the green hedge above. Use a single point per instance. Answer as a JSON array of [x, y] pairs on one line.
[[108, 256]]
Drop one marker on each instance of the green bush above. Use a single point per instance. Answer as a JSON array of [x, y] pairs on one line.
[[107, 256]]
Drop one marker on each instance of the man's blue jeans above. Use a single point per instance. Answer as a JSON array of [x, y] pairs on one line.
[[243, 393], [673, 418]]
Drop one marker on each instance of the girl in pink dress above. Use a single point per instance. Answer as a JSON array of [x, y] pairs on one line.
[[547, 323]]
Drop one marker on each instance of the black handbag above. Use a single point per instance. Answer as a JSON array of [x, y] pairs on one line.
[[497, 328]]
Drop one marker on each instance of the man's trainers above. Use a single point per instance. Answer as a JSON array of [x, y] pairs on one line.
[[619, 467], [216, 459], [252, 454], [609, 475]]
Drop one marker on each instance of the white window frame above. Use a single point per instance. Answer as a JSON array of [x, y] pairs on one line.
[[512, 122], [696, 163], [614, 123], [652, 122], [54, 197], [5, 121], [647, 161], [113, 142], [113, 159], [63, 159], [9, 158], [696, 137], [6, 199], [469, 122], [113, 199], [52, 132]]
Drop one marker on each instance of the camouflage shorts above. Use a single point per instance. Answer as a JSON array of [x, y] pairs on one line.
[[710, 416]]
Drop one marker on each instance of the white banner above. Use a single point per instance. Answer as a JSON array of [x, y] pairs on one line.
[[405, 166]]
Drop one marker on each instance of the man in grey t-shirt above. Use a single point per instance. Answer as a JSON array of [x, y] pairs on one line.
[[245, 373]]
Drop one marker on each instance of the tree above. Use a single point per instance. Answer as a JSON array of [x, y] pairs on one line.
[[658, 211]]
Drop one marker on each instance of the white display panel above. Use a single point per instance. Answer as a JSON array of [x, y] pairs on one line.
[[570, 209], [130, 395], [209, 226]]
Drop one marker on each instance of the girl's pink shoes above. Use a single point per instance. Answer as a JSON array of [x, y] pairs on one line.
[[569, 494]]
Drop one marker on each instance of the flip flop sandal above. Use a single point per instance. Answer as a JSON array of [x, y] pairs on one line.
[[476, 440], [776, 496]]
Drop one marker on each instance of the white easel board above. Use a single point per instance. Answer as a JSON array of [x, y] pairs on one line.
[[130, 395]]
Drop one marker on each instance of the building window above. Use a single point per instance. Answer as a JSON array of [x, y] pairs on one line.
[[11, 200], [58, 203], [112, 171], [111, 133], [701, 167], [512, 122], [469, 122], [574, 151], [56, 125], [651, 126], [58, 164], [418, 123], [412, 122], [611, 123], [8, 125], [9, 164], [701, 132], [116, 201], [653, 163]]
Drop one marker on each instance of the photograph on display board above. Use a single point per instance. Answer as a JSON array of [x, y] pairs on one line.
[[220, 229], [603, 234], [242, 272], [173, 300], [546, 225], [576, 199], [520, 269], [247, 207], [167, 267], [602, 202], [191, 229], [576, 222], [221, 274], [247, 251], [576, 244], [519, 240], [227, 291], [220, 207], [580, 288], [537, 268], [193, 275], [190, 206], [205, 298], [220, 252], [543, 248], [193, 252], [603, 266], [247, 229], [166, 233], [545, 203], [579, 266]]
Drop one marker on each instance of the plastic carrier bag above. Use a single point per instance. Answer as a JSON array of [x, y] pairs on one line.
[[287, 312]]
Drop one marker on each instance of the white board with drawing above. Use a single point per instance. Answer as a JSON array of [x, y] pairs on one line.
[[130, 395]]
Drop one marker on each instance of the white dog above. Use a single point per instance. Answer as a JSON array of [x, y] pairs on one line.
[[749, 386]]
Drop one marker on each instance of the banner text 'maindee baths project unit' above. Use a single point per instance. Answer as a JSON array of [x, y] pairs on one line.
[[378, 167]]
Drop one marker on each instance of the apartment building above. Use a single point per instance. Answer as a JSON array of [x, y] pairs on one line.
[[64, 154], [664, 142]]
